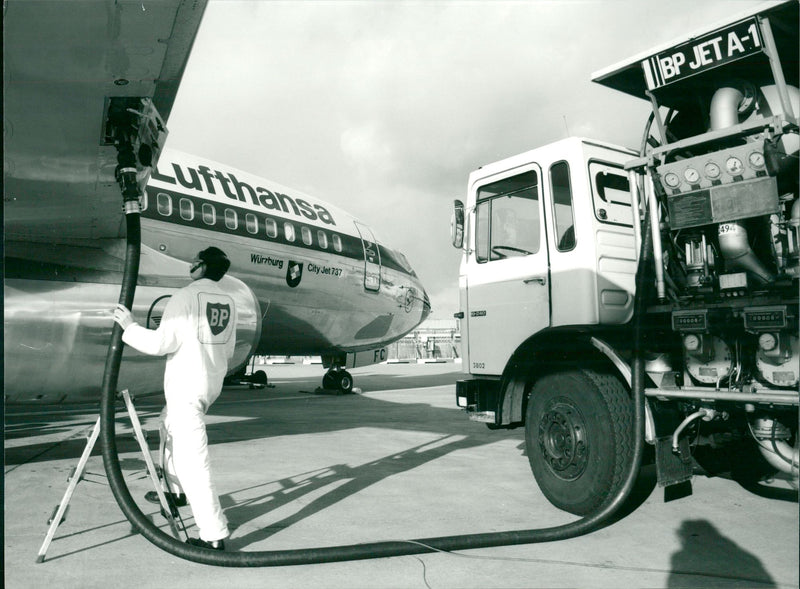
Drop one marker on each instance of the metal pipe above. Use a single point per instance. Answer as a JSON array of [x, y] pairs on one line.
[[724, 108], [633, 182], [777, 70], [771, 438], [780, 455], [735, 248], [694, 416], [655, 230], [771, 397]]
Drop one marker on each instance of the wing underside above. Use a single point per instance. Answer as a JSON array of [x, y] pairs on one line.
[[64, 63]]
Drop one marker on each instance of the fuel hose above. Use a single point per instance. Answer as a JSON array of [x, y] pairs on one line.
[[605, 514]]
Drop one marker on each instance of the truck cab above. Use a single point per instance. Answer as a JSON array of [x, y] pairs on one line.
[[549, 244]]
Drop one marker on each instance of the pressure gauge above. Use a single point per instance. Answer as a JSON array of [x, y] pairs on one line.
[[756, 159], [734, 166], [692, 176], [691, 342], [712, 171], [767, 342], [671, 179]]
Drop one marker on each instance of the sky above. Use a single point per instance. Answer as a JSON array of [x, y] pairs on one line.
[[383, 108]]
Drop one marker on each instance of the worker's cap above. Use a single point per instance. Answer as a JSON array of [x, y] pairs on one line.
[[217, 263]]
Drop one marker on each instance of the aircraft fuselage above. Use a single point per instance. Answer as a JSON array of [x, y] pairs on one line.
[[309, 279]]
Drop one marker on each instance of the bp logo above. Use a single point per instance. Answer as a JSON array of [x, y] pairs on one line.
[[218, 316], [294, 273]]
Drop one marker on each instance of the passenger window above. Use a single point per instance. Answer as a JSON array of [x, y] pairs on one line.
[[231, 219], [144, 200], [272, 228], [612, 194], [251, 223], [508, 217], [186, 209], [209, 213], [288, 231], [164, 204], [562, 206], [322, 239], [337, 243]]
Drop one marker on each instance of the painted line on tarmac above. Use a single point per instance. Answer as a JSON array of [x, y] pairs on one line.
[[241, 401]]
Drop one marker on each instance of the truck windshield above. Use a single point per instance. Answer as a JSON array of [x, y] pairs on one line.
[[507, 218]]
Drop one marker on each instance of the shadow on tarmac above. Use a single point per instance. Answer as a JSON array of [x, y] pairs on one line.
[[706, 553], [353, 479], [78, 419]]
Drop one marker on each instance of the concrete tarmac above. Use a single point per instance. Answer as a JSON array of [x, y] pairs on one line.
[[297, 468]]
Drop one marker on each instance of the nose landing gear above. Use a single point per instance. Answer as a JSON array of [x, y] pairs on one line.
[[338, 379]]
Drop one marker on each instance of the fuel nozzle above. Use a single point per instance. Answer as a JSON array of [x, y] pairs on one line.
[[125, 172]]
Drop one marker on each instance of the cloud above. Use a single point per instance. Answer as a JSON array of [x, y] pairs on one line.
[[367, 150], [384, 108]]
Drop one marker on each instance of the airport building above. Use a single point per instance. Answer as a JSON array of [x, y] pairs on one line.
[[434, 340]]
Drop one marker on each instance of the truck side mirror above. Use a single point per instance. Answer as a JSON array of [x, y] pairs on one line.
[[457, 224]]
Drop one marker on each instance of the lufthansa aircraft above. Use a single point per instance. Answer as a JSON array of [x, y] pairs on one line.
[[308, 278]]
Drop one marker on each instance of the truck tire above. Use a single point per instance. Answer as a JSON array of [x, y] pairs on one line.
[[579, 437]]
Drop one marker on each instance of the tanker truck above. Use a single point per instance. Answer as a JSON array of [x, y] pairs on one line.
[[706, 212]]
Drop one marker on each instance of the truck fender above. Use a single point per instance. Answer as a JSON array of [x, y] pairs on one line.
[[624, 370]]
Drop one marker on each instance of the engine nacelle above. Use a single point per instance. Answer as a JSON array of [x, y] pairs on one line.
[[248, 318], [58, 322]]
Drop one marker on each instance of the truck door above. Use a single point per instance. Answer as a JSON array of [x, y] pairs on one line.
[[372, 258], [507, 268]]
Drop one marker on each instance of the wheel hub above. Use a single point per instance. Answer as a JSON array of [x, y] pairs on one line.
[[562, 440]]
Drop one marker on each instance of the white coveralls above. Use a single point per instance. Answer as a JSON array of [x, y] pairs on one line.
[[198, 335]]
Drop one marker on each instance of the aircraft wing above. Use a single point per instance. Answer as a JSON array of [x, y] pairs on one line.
[[64, 63]]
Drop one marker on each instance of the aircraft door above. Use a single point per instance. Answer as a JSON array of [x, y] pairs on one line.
[[372, 258]]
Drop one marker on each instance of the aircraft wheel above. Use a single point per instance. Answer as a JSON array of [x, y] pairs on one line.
[[258, 379], [578, 437], [338, 380]]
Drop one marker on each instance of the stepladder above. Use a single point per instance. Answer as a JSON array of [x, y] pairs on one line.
[[59, 515]]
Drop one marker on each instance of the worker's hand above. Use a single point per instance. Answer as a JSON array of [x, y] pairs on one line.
[[123, 316]]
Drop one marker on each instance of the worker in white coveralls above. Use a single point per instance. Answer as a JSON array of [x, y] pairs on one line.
[[198, 334]]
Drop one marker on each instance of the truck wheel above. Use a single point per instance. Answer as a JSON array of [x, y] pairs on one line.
[[579, 437]]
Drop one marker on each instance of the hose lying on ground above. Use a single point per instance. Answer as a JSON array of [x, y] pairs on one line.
[[605, 514]]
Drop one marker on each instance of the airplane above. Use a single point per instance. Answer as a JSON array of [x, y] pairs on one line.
[[307, 277]]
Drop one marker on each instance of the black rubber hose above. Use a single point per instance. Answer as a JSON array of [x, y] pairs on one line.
[[142, 523]]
